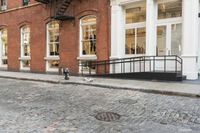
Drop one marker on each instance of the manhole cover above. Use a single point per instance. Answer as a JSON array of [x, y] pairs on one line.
[[107, 116]]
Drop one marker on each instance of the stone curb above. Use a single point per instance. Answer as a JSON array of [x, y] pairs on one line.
[[164, 92], [30, 79], [184, 94]]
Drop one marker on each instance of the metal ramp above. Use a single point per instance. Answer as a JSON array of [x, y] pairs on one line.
[[142, 67]]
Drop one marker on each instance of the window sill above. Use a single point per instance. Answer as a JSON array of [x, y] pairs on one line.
[[25, 69], [52, 58], [4, 57], [87, 57], [52, 70], [3, 67], [25, 58]]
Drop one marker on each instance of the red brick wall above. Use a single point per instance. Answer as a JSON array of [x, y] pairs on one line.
[[37, 16], [17, 3], [70, 32]]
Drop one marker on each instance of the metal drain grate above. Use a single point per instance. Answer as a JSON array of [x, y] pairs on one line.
[[107, 116]]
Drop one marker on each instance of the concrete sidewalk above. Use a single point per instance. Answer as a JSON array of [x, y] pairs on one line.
[[170, 88]]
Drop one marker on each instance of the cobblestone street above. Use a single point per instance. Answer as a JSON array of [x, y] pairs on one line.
[[35, 107]]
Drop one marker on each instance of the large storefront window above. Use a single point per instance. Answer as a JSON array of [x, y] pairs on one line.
[[25, 47], [135, 34], [53, 43], [3, 47], [170, 9], [88, 37]]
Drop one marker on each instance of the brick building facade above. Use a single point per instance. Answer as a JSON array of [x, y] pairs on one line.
[[30, 41]]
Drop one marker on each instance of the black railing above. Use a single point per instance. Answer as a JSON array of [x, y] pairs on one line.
[[164, 64]]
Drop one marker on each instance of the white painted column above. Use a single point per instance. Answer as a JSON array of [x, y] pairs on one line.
[[117, 32], [151, 15], [190, 38], [199, 44], [1, 48]]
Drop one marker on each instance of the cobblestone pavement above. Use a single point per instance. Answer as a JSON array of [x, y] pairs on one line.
[[34, 107]]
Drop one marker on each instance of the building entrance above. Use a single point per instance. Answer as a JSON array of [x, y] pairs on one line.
[[169, 39]]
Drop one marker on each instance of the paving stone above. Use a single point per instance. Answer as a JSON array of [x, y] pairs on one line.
[[34, 107]]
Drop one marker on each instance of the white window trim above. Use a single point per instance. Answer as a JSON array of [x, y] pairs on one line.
[[1, 56], [22, 56], [169, 21], [48, 56]]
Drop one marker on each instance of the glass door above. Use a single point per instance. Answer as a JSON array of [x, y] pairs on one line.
[[169, 39]]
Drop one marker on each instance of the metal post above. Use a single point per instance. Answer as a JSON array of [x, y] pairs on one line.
[[104, 67], [164, 63], [89, 65], [176, 64], [144, 64], [154, 64]]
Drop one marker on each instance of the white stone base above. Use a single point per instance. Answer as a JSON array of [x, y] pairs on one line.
[[190, 67]]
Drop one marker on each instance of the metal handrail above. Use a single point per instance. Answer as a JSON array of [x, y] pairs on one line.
[[122, 63]]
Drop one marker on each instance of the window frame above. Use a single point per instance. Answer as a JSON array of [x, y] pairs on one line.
[[168, 22], [49, 58], [24, 57], [91, 56], [134, 26], [3, 57]]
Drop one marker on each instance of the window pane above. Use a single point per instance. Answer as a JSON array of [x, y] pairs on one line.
[[26, 50], [26, 63], [135, 41], [54, 49], [176, 39], [4, 42], [4, 62], [53, 25], [53, 63], [89, 35], [136, 14], [170, 9], [161, 40], [53, 36], [3, 2], [25, 2], [86, 68], [89, 19], [25, 41], [130, 41], [141, 41]]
